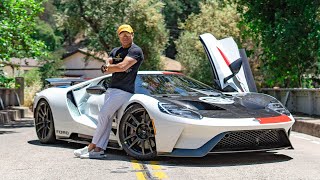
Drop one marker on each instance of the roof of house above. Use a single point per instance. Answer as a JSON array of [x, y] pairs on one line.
[[170, 64], [23, 62], [102, 56]]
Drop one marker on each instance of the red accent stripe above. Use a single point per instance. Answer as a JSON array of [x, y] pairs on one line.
[[277, 119], [224, 57], [168, 72]]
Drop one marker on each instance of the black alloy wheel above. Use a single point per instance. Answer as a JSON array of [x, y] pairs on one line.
[[137, 135], [44, 123]]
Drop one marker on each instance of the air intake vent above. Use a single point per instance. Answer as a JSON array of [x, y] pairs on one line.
[[253, 140], [198, 105]]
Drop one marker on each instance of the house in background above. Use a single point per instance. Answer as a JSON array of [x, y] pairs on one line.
[[86, 64], [83, 64], [80, 63], [170, 64], [16, 66]]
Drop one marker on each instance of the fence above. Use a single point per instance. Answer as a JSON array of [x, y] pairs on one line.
[[297, 100]]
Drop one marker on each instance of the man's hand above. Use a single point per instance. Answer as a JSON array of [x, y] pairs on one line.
[[104, 68]]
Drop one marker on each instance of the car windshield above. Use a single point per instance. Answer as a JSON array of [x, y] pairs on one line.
[[173, 84]]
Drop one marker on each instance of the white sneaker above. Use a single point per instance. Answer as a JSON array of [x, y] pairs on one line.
[[81, 151], [93, 155]]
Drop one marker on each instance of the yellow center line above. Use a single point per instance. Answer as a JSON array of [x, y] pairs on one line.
[[155, 166], [137, 166], [158, 173], [144, 174]]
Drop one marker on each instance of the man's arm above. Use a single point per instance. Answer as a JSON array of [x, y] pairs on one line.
[[122, 66]]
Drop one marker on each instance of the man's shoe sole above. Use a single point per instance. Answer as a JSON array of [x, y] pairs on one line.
[[93, 157]]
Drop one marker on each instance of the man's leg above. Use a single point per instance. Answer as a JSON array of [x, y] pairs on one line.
[[113, 101]]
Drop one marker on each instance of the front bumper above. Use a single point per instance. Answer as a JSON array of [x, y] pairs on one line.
[[196, 138], [239, 141]]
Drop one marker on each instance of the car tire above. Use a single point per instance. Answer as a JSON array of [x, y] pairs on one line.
[[44, 123], [136, 133]]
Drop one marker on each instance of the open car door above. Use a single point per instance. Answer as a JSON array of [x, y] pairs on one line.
[[230, 65]]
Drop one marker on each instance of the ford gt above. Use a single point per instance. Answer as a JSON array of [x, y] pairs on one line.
[[172, 114]]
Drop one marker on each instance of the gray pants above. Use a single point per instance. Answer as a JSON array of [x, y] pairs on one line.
[[114, 99]]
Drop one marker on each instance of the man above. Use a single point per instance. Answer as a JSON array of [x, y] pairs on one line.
[[123, 63]]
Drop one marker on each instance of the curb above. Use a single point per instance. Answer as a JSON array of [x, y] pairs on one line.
[[310, 128], [307, 124]]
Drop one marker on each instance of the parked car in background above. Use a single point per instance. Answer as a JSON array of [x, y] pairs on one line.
[[62, 82]]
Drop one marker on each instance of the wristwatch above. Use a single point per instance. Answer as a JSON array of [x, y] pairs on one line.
[[104, 68]]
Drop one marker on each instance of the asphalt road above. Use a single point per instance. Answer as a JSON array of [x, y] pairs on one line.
[[23, 157]]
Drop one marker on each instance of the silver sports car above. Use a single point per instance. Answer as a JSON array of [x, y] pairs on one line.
[[171, 114]]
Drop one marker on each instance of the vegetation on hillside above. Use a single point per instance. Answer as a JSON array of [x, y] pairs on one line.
[[288, 32], [281, 37], [17, 25], [99, 20], [215, 18]]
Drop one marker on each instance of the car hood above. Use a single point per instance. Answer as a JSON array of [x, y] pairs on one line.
[[248, 105]]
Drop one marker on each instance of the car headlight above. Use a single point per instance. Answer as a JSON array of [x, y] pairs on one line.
[[278, 107], [178, 111]]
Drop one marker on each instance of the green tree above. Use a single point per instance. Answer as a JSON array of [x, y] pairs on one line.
[[99, 21], [175, 12], [216, 18], [17, 27], [46, 34], [51, 65], [151, 34], [289, 33], [46, 29]]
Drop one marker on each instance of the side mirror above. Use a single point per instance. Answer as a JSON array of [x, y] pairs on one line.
[[98, 89]]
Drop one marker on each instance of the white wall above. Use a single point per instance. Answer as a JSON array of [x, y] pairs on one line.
[[77, 65]]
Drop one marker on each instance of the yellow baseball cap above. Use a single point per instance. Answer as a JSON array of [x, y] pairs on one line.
[[125, 27]]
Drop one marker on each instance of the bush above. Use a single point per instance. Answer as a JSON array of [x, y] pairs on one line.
[[33, 84], [7, 82]]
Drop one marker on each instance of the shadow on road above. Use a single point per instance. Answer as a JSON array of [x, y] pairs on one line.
[[112, 154], [211, 160], [18, 124], [6, 132], [219, 160], [60, 144]]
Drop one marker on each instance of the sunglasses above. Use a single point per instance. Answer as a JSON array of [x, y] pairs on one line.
[[125, 34]]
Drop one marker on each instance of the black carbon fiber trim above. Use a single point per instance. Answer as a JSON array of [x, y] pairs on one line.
[[253, 140], [236, 110]]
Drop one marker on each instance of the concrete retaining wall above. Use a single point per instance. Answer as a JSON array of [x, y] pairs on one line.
[[297, 100], [12, 97]]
